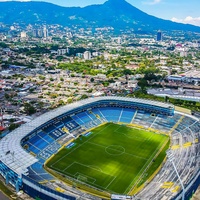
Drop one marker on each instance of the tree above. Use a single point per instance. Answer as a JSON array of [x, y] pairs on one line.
[[127, 72], [13, 126], [42, 77], [142, 83], [84, 96], [70, 100], [29, 109]]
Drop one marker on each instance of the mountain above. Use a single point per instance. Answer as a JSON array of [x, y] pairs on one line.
[[113, 13]]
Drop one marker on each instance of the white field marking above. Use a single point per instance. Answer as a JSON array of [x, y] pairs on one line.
[[151, 157], [91, 168], [116, 150], [83, 175], [133, 136], [110, 182], [114, 177], [95, 167], [68, 166], [79, 145], [110, 147]]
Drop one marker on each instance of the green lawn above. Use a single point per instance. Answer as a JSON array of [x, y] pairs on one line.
[[112, 158]]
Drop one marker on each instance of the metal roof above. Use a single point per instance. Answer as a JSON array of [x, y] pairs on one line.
[[16, 158]]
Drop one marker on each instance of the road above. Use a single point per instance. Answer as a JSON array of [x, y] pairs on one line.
[[3, 197]]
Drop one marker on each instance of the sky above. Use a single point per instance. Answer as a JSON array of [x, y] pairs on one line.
[[184, 11]]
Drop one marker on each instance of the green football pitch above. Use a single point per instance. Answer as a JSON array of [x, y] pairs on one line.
[[112, 158]]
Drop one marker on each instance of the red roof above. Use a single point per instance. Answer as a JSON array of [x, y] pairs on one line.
[[2, 128]]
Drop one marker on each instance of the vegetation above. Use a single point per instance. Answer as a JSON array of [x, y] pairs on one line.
[[111, 158], [191, 105], [13, 126], [29, 109]]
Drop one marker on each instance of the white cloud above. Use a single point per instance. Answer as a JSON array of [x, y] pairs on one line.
[[188, 20], [152, 2]]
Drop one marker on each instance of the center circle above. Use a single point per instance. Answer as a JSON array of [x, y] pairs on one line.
[[115, 150]]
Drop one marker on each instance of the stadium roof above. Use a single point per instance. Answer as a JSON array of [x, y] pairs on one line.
[[16, 158]]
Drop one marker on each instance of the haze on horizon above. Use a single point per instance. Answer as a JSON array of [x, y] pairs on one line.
[[183, 11]]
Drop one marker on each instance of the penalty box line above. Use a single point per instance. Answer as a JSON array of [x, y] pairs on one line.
[[85, 176], [114, 177], [78, 146]]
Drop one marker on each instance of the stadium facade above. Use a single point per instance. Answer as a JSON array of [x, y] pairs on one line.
[[24, 151]]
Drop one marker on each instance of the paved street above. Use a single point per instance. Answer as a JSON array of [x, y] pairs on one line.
[[3, 197]]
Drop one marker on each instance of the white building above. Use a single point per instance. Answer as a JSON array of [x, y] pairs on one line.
[[62, 51], [87, 55], [23, 34], [45, 32]]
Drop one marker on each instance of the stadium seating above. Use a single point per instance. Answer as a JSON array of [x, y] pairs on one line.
[[111, 114], [184, 132], [37, 173], [127, 115]]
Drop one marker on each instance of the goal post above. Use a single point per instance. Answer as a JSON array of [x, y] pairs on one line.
[[82, 178]]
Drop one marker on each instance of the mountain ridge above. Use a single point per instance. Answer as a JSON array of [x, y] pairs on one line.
[[118, 14]]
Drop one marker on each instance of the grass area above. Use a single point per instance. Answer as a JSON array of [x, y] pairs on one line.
[[113, 158]]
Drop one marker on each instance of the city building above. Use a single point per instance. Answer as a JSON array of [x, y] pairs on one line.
[[45, 32], [159, 36], [87, 55], [23, 34]]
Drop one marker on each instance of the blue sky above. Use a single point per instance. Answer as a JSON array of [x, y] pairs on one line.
[[185, 11]]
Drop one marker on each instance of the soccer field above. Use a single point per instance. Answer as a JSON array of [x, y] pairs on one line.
[[112, 157]]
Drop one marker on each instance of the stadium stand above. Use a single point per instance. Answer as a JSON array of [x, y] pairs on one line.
[[42, 137]]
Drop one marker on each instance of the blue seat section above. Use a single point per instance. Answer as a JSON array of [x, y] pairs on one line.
[[144, 118], [91, 115], [77, 120], [165, 123], [66, 120], [33, 149], [34, 139], [38, 142], [51, 149], [59, 124], [49, 128], [56, 134], [127, 115], [187, 122], [96, 111], [37, 173], [111, 114], [71, 125], [84, 117], [46, 137]]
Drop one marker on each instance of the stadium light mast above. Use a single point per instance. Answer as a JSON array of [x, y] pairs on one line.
[[171, 159]]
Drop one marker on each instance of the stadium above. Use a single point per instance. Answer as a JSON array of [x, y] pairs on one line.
[[105, 148]]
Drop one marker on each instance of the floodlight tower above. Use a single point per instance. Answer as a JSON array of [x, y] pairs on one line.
[[170, 156]]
